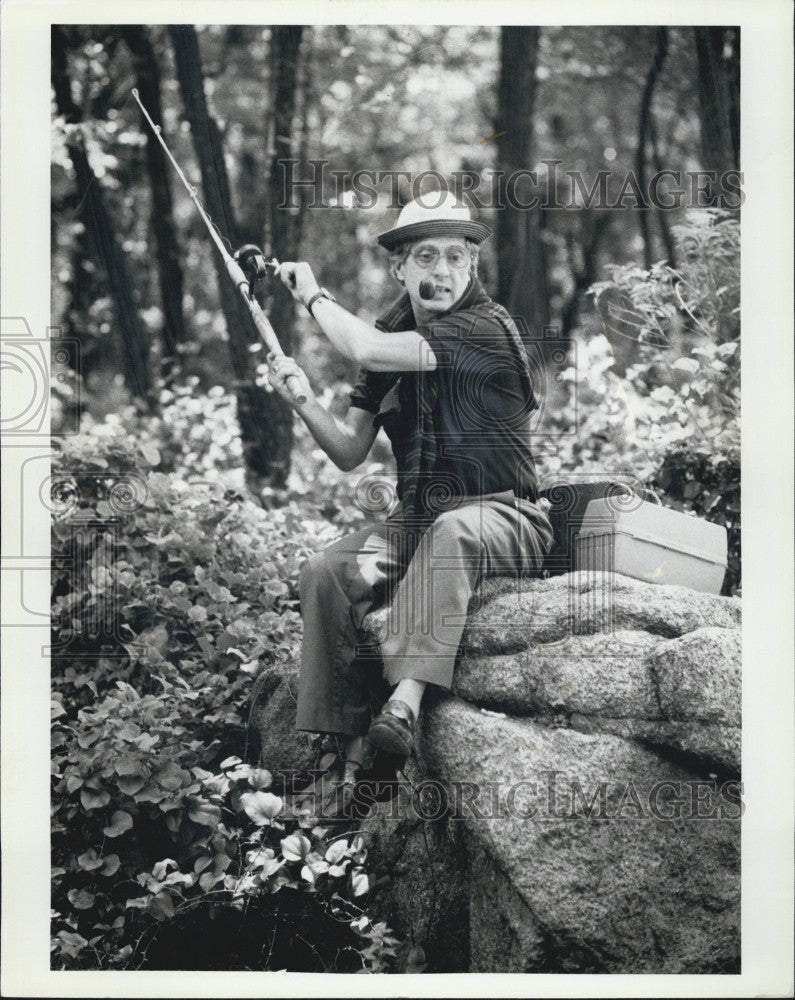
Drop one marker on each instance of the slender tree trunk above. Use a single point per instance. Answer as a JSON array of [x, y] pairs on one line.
[[284, 225], [100, 231], [147, 78], [645, 126], [521, 252], [253, 159], [660, 213], [719, 97], [278, 229], [262, 445], [81, 293], [583, 258]]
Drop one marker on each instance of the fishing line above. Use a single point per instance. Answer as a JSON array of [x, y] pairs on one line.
[[82, 140]]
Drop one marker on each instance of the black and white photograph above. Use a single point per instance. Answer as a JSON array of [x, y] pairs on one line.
[[397, 482]]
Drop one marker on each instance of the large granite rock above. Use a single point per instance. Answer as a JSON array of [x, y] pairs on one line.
[[272, 733], [659, 664], [611, 707], [618, 859]]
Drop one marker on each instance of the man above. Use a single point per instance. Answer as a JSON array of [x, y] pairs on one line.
[[445, 373]]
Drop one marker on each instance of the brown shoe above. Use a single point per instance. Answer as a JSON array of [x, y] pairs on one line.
[[392, 731]]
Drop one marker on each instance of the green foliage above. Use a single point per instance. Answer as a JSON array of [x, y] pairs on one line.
[[174, 592], [672, 417], [708, 485]]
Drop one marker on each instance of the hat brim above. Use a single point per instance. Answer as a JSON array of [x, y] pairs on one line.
[[395, 238]]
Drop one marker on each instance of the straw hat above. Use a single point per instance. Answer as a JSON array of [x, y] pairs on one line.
[[417, 221]]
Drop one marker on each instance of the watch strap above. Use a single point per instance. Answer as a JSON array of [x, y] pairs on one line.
[[322, 294]]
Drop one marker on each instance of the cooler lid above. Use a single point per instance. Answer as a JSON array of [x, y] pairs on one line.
[[650, 522]]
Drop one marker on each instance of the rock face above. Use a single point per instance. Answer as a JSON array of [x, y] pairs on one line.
[[575, 800]]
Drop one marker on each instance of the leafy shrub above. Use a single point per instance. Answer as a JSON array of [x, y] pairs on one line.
[[169, 594], [709, 485], [672, 418]]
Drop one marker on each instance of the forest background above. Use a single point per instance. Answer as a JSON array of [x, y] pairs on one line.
[[206, 491]]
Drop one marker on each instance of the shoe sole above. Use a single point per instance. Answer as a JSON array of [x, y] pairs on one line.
[[389, 737]]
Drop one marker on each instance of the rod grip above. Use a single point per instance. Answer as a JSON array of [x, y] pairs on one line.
[[266, 333], [262, 323]]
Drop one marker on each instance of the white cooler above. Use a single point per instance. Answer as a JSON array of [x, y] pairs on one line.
[[649, 542]]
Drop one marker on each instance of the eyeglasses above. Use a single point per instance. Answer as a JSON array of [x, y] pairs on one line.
[[457, 257]]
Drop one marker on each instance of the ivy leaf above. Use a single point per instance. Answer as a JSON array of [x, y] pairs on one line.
[[120, 822], [209, 879], [147, 741], [316, 863], [80, 899], [360, 882], [111, 865], [161, 906], [162, 868], [260, 778], [93, 799], [128, 731], [336, 852], [87, 739], [269, 867], [204, 813], [72, 943], [131, 784], [170, 776], [262, 807], [90, 860], [295, 847], [73, 782], [151, 793]]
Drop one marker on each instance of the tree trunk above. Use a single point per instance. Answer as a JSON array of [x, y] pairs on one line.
[[660, 213], [521, 252], [147, 79], [82, 291], [583, 256], [99, 230], [283, 225], [718, 53], [645, 128], [263, 442]]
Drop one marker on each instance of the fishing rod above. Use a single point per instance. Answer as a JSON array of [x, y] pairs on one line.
[[248, 258]]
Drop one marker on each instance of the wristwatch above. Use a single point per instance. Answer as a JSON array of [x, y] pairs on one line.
[[324, 293]]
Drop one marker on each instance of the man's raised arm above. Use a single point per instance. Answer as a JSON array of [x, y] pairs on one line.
[[357, 340]]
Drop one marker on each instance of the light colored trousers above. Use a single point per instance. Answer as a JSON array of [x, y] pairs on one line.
[[427, 576]]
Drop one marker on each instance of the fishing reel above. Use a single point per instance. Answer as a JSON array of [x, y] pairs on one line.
[[253, 264]]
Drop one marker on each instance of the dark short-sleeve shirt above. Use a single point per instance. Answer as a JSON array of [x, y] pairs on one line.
[[465, 425]]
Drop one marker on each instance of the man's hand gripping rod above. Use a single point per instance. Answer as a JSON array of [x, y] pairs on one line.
[[261, 321]]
